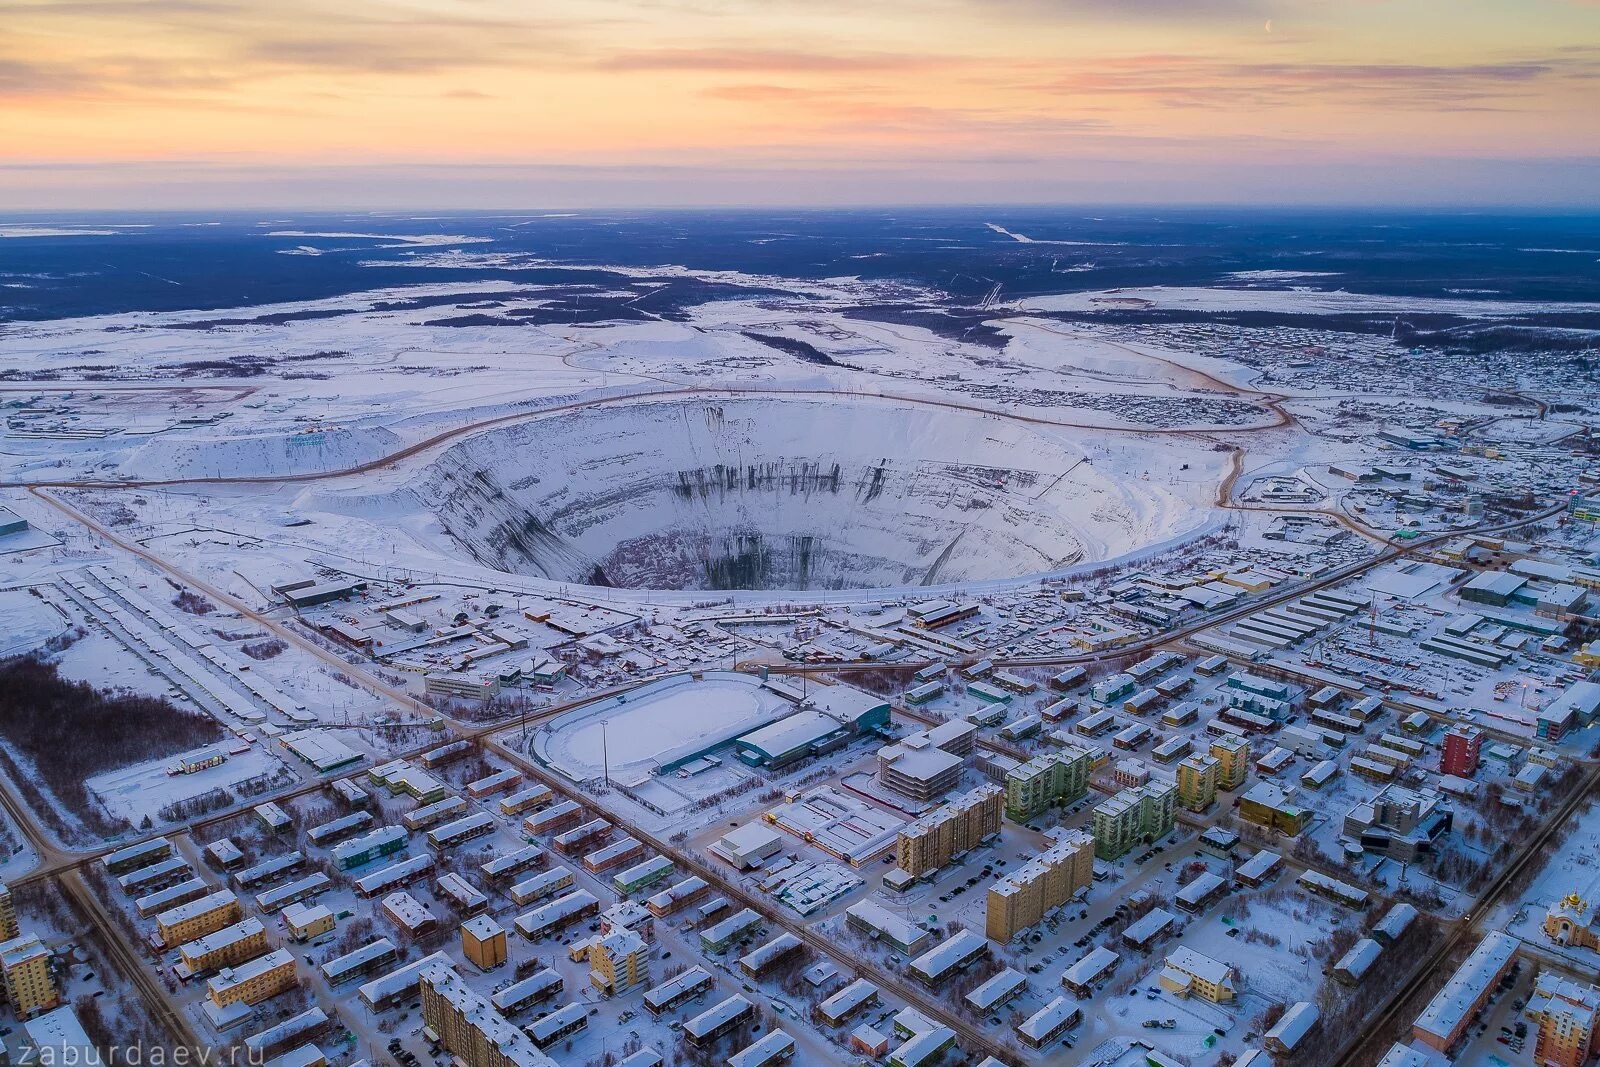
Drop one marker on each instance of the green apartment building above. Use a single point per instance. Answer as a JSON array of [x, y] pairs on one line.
[[1133, 816], [1045, 780]]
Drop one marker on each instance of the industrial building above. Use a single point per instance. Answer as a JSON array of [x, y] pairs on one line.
[[749, 845], [308, 592], [11, 522]]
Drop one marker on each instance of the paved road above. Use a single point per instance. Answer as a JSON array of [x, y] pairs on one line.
[[164, 1009]]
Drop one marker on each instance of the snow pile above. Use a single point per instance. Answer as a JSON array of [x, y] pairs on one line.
[[306, 452]]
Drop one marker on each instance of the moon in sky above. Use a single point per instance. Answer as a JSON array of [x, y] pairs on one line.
[[1268, 26]]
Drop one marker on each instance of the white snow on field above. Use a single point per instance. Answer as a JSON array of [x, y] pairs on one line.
[[1290, 302], [1022, 238], [1280, 275], [630, 732], [142, 790], [53, 231], [413, 239], [26, 622], [196, 456]]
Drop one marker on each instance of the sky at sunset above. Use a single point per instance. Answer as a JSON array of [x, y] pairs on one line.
[[471, 103]]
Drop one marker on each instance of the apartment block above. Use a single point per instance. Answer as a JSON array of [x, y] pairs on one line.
[[8, 915], [1197, 781], [1459, 756], [1158, 808], [1050, 779], [1023, 898], [254, 981], [1565, 1011], [1116, 825], [618, 961], [1134, 815], [470, 1027], [25, 972], [228, 947], [1233, 753], [199, 917], [483, 942], [958, 826]]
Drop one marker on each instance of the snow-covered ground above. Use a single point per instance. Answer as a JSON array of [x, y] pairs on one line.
[[141, 791]]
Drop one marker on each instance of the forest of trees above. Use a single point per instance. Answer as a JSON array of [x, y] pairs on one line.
[[71, 731]]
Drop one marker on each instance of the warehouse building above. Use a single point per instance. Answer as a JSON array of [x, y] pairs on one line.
[[749, 845]]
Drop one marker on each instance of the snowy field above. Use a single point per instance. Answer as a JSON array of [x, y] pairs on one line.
[[631, 732], [143, 790], [1305, 300]]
